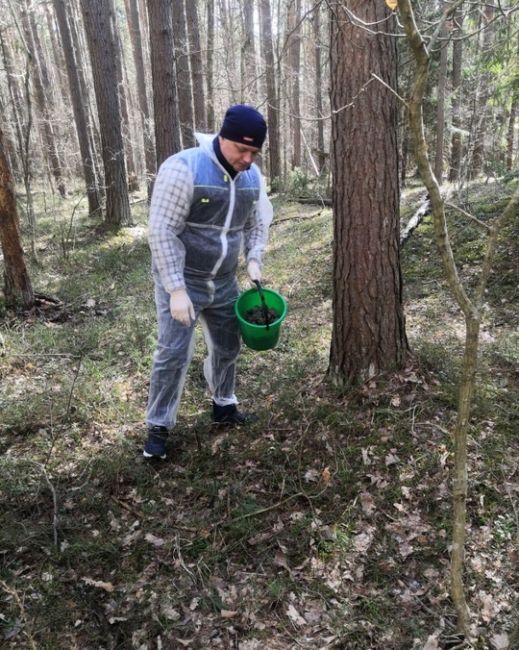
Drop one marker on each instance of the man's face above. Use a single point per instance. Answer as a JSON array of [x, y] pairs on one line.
[[239, 156]]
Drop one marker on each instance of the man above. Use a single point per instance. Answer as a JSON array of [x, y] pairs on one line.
[[208, 202]]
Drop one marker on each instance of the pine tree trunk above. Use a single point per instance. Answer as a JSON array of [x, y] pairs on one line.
[[134, 26], [124, 100], [368, 333], [294, 68], [103, 56], [249, 73], [165, 108], [321, 154], [210, 66], [183, 75], [17, 284], [195, 58]]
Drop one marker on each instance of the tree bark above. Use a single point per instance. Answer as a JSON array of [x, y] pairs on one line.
[[183, 75], [368, 334], [17, 284], [249, 73], [272, 103], [134, 26], [440, 108], [294, 68], [103, 56], [210, 66], [321, 154], [195, 58], [457, 56], [167, 132]]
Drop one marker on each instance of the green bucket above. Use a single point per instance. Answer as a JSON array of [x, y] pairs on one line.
[[260, 337]]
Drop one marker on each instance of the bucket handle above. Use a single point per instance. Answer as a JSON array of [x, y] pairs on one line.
[[263, 303]]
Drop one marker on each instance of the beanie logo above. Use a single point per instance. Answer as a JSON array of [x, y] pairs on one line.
[[248, 138]]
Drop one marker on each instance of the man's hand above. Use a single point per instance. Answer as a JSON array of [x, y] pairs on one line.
[[254, 271], [181, 307]]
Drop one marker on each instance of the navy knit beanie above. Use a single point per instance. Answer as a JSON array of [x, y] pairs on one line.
[[245, 125]]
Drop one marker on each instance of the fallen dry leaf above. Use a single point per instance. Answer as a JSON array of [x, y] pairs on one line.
[[500, 641], [99, 584], [295, 616], [156, 541]]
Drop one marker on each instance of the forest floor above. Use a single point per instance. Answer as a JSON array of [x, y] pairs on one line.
[[326, 524]]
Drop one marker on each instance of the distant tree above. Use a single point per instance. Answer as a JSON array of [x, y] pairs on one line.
[[41, 87], [368, 334], [272, 103], [183, 74], [134, 26], [249, 74], [99, 24], [440, 106], [456, 88], [209, 65], [294, 71], [195, 58], [17, 284], [484, 90], [321, 154], [78, 106]]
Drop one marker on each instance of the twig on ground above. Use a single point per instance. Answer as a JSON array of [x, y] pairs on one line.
[[12, 592]]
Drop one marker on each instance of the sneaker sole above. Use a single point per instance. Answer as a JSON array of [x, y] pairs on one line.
[[147, 455]]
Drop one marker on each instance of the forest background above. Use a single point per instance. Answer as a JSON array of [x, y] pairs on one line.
[[329, 524]]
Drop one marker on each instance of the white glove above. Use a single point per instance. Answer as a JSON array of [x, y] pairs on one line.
[[181, 307], [254, 271]]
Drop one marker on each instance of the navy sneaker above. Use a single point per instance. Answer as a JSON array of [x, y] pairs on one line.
[[155, 446], [230, 416]]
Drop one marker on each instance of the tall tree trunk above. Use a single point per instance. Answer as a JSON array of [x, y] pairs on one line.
[[78, 107], [249, 73], [321, 154], [134, 26], [10, 151], [294, 68], [167, 132], [124, 97], [511, 124], [21, 103], [457, 56], [210, 66], [101, 40], [440, 108], [17, 283], [368, 333], [195, 58], [183, 75], [484, 90], [80, 46], [272, 103]]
